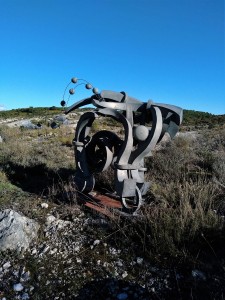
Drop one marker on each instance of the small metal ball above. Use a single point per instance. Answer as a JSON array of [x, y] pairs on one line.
[[71, 91], [74, 80], [141, 133], [95, 90], [88, 86], [63, 103]]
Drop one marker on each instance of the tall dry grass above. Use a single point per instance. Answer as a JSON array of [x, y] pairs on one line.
[[185, 206]]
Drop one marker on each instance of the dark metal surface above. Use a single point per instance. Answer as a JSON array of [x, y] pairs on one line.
[[144, 124]]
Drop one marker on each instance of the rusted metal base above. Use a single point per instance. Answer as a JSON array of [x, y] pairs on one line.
[[108, 205], [101, 203]]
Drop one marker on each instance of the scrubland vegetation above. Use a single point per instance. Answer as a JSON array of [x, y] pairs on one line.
[[181, 225]]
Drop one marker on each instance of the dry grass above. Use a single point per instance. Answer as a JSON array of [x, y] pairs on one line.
[[185, 203], [22, 149], [184, 214], [181, 213], [63, 191]]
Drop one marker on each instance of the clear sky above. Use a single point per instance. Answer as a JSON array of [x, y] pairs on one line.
[[170, 51]]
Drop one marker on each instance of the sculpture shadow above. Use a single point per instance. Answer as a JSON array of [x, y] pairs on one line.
[[36, 179]]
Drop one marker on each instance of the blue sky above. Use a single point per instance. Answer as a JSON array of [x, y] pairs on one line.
[[170, 51]]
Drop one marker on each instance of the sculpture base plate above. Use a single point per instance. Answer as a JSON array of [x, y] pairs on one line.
[[105, 204], [101, 203]]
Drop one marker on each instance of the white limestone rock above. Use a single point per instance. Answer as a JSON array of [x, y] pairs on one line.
[[16, 231], [18, 287], [44, 205], [7, 265]]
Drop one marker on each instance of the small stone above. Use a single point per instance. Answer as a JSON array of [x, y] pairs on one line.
[[16, 273], [60, 224], [50, 219], [198, 275], [25, 296], [106, 264], [18, 287], [125, 274], [44, 205], [34, 251], [78, 260], [139, 260], [6, 265], [25, 276], [119, 263], [122, 296], [77, 249], [96, 242], [53, 251], [112, 251]]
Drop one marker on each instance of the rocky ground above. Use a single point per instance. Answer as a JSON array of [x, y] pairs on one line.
[[76, 255], [71, 262], [52, 250]]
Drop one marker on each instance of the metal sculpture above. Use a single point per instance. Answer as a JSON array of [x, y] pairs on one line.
[[144, 124]]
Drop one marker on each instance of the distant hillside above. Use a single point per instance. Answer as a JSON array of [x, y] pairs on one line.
[[30, 112], [197, 118], [191, 117]]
